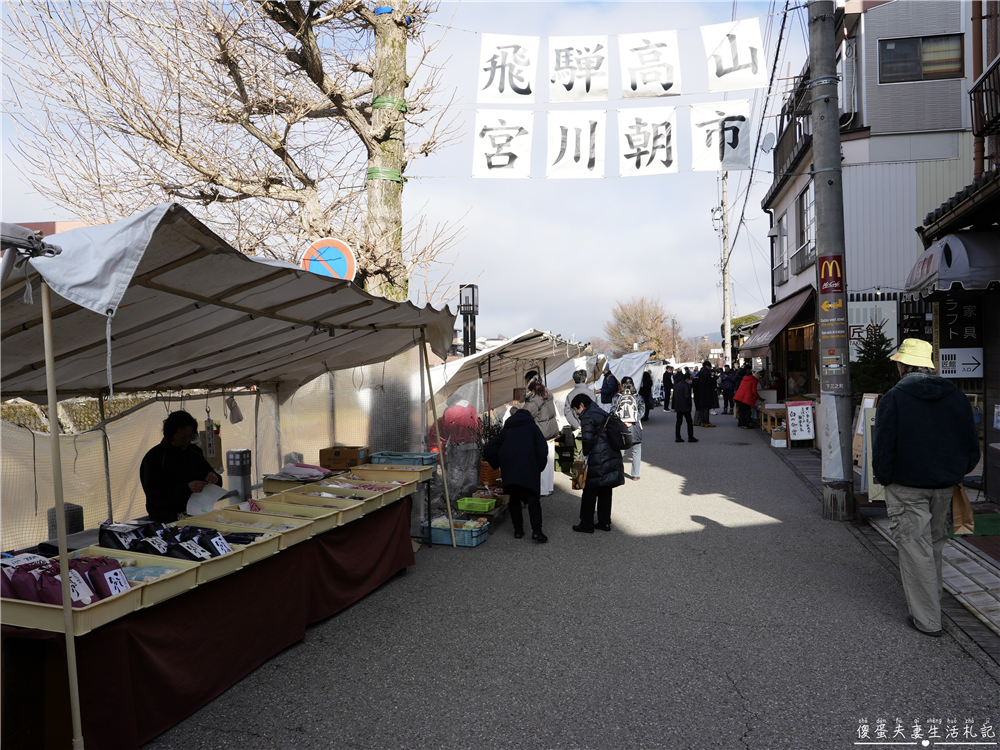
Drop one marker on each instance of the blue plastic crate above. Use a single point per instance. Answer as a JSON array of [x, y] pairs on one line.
[[463, 537], [405, 459]]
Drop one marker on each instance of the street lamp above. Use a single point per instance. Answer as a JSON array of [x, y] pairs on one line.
[[468, 307]]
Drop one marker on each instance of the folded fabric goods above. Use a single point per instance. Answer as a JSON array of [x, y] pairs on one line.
[[147, 573], [295, 470]]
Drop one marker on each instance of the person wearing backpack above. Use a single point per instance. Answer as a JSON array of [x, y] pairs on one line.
[[682, 405], [605, 469], [609, 387], [629, 407]]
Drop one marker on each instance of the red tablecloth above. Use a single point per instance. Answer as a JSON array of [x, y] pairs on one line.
[[144, 673]]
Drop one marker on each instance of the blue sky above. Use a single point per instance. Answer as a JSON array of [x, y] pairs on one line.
[[557, 254]]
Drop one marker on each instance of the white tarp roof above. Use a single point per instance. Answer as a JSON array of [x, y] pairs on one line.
[[503, 366], [631, 365], [192, 312]]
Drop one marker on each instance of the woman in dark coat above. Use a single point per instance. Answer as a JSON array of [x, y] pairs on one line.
[[173, 469], [646, 391], [605, 469], [520, 452], [704, 393], [682, 405]]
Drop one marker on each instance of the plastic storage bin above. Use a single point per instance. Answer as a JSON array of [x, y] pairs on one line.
[[463, 537], [477, 504], [402, 459]]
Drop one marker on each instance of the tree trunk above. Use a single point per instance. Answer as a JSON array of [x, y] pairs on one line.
[[384, 219]]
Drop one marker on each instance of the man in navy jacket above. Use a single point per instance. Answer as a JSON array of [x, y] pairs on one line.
[[924, 443]]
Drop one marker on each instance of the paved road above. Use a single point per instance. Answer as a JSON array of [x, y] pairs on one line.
[[720, 612]]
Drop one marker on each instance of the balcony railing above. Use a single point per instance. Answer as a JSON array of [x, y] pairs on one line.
[[804, 257], [985, 101], [780, 274]]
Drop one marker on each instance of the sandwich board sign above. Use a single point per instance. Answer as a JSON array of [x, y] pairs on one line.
[[800, 420]]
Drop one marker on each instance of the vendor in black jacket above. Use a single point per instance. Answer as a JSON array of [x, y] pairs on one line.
[[173, 470], [605, 470]]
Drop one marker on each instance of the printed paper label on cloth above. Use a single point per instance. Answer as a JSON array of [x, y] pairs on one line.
[[502, 144], [507, 69], [735, 55], [650, 64], [721, 136], [578, 68], [576, 144], [647, 141]]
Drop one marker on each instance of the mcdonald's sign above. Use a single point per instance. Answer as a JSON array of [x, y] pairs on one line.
[[831, 274]]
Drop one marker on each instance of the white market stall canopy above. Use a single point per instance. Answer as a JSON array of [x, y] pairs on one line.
[[502, 367], [189, 311]]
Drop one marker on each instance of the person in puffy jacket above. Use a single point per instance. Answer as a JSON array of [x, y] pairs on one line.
[[728, 383], [924, 443], [520, 452], [746, 398], [646, 391], [605, 469], [632, 419], [682, 405]]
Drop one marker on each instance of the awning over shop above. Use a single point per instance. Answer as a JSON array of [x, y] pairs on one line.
[[502, 367], [777, 319], [189, 311], [970, 259]]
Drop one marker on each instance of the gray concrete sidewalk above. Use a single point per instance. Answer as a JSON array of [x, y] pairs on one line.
[[720, 612]]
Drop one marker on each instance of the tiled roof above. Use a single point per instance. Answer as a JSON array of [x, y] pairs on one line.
[[965, 193]]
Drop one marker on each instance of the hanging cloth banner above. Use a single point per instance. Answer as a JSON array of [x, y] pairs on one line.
[[647, 141], [578, 68], [736, 57], [502, 147], [720, 136], [576, 144], [507, 69], [650, 65]]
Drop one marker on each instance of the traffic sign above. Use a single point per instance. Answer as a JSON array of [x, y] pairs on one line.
[[330, 257]]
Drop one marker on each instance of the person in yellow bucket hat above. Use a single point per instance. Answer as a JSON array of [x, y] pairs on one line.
[[924, 443]]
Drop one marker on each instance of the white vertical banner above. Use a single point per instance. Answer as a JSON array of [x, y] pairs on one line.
[[735, 54], [578, 68], [502, 144], [647, 141], [576, 144], [721, 136], [650, 64], [507, 67]]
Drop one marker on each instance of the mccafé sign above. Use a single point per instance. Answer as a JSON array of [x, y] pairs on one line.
[[831, 274]]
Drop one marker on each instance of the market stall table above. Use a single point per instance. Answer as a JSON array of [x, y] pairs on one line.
[[144, 673], [772, 417]]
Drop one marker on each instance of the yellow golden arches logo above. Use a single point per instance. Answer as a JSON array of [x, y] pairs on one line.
[[826, 269]]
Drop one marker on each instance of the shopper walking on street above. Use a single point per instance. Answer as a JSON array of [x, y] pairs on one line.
[[521, 454], [746, 398], [668, 386], [704, 394], [580, 380], [727, 383], [646, 392], [628, 405], [538, 402], [609, 387], [605, 469], [925, 442], [682, 405]]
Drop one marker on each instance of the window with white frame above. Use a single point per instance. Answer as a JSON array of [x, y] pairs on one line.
[[805, 217]]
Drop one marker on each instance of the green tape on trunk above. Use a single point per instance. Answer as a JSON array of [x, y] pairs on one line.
[[383, 173], [389, 102]]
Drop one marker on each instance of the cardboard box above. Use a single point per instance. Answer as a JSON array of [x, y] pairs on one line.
[[775, 443], [779, 435], [341, 457]]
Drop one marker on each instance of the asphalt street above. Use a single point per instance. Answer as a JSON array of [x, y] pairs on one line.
[[721, 611]]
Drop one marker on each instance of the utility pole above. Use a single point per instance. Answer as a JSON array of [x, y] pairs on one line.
[[835, 376], [727, 312]]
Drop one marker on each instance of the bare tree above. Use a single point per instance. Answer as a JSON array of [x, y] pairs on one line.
[[643, 321], [278, 122]]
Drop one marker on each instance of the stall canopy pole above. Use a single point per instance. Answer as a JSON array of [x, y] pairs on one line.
[[107, 463], [437, 434], [67, 604]]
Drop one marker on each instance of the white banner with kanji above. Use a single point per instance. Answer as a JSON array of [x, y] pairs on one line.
[[578, 68], [721, 136], [507, 66], [502, 144], [647, 141], [576, 144], [650, 64], [735, 54]]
